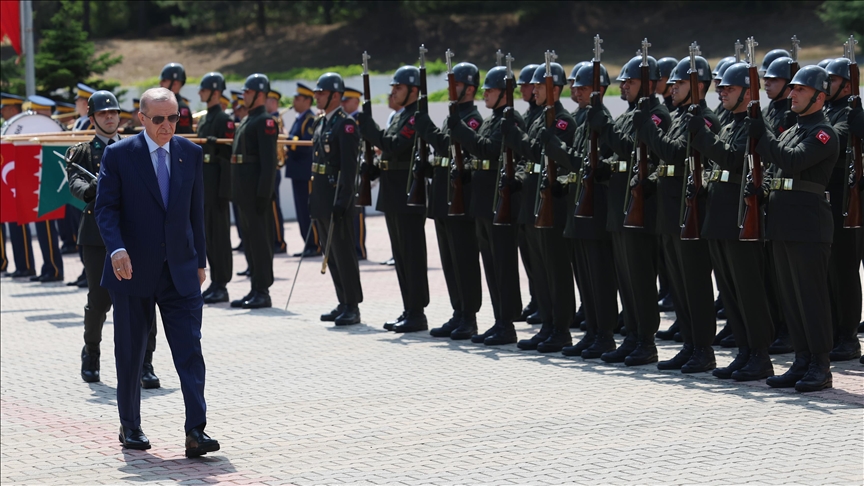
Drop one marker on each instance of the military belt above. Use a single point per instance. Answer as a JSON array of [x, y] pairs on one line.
[[572, 178], [441, 162], [244, 159], [206, 158], [479, 165], [619, 166], [212, 159], [783, 184], [666, 171], [724, 176], [533, 168], [384, 164], [319, 168]]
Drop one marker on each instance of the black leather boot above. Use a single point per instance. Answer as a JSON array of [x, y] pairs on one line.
[[389, 325], [847, 349], [739, 362], [701, 361], [467, 328], [618, 355], [758, 367], [645, 353], [415, 321], [603, 344], [818, 376], [239, 302], [333, 314], [448, 327], [556, 341], [578, 319], [505, 333], [678, 360], [783, 343], [728, 342], [534, 319], [531, 343], [793, 374], [351, 315], [726, 331], [479, 338], [583, 344], [527, 311], [149, 380], [669, 334], [90, 365]]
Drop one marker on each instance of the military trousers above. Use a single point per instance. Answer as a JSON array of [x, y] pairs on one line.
[[844, 281], [635, 254], [257, 245], [740, 268], [525, 254], [277, 220], [217, 236], [49, 244], [550, 261], [598, 289], [408, 244], [802, 270], [500, 253], [460, 261], [688, 265], [22, 246], [342, 260]]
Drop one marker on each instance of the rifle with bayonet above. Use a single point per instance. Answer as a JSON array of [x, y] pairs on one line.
[[690, 204], [585, 199], [750, 217], [635, 212], [545, 215], [364, 189], [417, 174], [794, 66], [501, 206], [852, 210], [456, 201]]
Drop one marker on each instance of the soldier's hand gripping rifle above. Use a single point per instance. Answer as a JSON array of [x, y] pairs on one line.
[[852, 210], [545, 215], [364, 187], [502, 204], [635, 213], [750, 217], [456, 201], [690, 204], [417, 174], [585, 200]]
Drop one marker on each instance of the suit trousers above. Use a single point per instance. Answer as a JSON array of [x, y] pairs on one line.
[[598, 292], [408, 244], [22, 247], [342, 261], [688, 266], [217, 235], [638, 252], [457, 245], [258, 246], [500, 253], [740, 269], [49, 244], [181, 317], [844, 281], [802, 270]]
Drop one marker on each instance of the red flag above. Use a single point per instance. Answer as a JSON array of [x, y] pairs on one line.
[[8, 212], [10, 23], [28, 172]]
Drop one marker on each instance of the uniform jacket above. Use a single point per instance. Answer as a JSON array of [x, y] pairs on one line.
[[217, 157], [184, 125], [89, 156], [776, 115], [336, 146], [298, 163], [837, 112], [255, 140]]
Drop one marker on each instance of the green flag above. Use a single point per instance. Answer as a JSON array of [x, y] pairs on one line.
[[54, 185]]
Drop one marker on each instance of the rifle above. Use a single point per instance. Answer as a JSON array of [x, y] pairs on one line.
[[750, 219], [852, 213], [417, 178], [738, 47], [794, 66], [457, 200], [545, 214], [635, 213], [690, 217], [585, 201], [501, 206], [364, 189]]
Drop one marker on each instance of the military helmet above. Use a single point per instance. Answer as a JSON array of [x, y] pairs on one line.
[[407, 75], [682, 70], [814, 77], [173, 71], [330, 82], [839, 67], [770, 56], [585, 76], [737, 74], [666, 66], [526, 74], [780, 68], [102, 101], [721, 63], [214, 81], [824, 62], [496, 78], [257, 82], [576, 69], [466, 73], [722, 70], [632, 70], [557, 74]]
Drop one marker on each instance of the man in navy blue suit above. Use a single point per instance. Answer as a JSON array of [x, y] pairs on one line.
[[150, 211]]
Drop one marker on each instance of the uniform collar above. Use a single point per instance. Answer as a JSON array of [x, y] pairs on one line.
[[257, 111], [813, 119], [214, 109]]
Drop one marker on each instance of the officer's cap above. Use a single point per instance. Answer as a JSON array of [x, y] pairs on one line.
[[274, 94], [65, 108], [125, 115], [136, 103], [225, 99], [351, 93], [10, 99], [303, 90], [41, 103], [83, 91]]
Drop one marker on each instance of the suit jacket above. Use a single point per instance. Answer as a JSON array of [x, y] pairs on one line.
[[131, 215]]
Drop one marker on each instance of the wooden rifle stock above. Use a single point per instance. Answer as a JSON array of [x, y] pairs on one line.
[[364, 189], [690, 226], [751, 225], [585, 203], [852, 217], [456, 205], [545, 217], [502, 209], [635, 217], [417, 193]]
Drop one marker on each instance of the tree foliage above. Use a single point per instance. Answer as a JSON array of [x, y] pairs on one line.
[[847, 16]]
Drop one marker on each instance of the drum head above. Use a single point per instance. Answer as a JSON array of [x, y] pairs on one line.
[[29, 122]]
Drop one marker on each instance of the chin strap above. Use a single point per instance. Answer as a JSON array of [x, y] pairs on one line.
[[812, 100], [740, 99], [111, 135]]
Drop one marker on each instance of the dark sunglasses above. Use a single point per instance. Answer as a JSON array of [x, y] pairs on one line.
[[159, 119]]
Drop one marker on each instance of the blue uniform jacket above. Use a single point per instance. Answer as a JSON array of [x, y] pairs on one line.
[[298, 163]]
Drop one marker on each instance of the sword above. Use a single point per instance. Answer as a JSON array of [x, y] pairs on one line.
[[305, 242]]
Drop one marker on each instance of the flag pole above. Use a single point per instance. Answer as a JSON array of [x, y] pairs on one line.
[[27, 41]]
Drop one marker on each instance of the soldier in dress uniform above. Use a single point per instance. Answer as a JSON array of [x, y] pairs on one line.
[[173, 77], [217, 186], [847, 245], [337, 145], [104, 111], [634, 249], [553, 281], [800, 225], [136, 108], [777, 77], [405, 224], [725, 116], [239, 112], [82, 94], [271, 106], [238, 107], [740, 267], [664, 87], [19, 235], [351, 105], [253, 172], [298, 167]]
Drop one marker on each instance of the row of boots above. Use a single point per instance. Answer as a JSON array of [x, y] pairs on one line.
[[90, 368]]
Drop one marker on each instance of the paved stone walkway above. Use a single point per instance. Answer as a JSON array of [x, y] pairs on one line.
[[295, 401]]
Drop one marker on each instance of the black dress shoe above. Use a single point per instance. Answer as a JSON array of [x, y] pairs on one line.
[[259, 300], [599, 347], [480, 338], [795, 372], [391, 262], [504, 334], [645, 353], [527, 311], [49, 278], [447, 328], [467, 328], [818, 376], [534, 319], [279, 249], [678, 338], [619, 327], [349, 317], [669, 334], [35, 278], [678, 360], [781, 345], [618, 355], [665, 304], [89, 365], [556, 341], [307, 253], [244, 273], [726, 331], [758, 367], [333, 314], [216, 296], [239, 302], [82, 284], [583, 344], [134, 439], [728, 342], [739, 362], [414, 322], [68, 249], [846, 350], [531, 343], [22, 273], [149, 380], [721, 314], [579, 319], [389, 325], [198, 443], [701, 361]]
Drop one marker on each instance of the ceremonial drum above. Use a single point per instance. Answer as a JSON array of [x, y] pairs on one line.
[[29, 122]]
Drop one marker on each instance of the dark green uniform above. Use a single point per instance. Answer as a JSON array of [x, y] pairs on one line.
[[779, 116], [184, 125], [530, 115]]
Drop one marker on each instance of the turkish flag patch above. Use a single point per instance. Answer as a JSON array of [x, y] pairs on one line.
[[184, 111], [230, 125], [823, 137], [270, 123], [473, 123], [561, 125], [708, 123], [411, 121], [407, 132], [349, 128], [656, 119]]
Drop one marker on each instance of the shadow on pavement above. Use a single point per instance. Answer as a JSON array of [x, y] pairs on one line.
[[145, 467]]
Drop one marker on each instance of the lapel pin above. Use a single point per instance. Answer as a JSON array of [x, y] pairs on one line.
[[181, 160]]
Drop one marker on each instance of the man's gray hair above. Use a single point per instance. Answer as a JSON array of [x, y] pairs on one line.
[[157, 95]]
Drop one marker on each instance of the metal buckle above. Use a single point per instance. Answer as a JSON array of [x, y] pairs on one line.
[[572, 177], [383, 164], [536, 168], [436, 161], [622, 166], [445, 162], [667, 170], [322, 169], [314, 167], [724, 176], [206, 158], [237, 159], [485, 164]]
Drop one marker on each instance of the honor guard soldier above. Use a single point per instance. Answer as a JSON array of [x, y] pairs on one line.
[[405, 223], [548, 249], [238, 107], [238, 111], [580, 113], [19, 235], [664, 87], [253, 172], [82, 94], [298, 167], [136, 108], [778, 115], [634, 248], [271, 106], [104, 112], [688, 263], [592, 252], [720, 111], [800, 226], [214, 125], [337, 146], [739, 266], [457, 239], [351, 106], [173, 77], [847, 245]]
